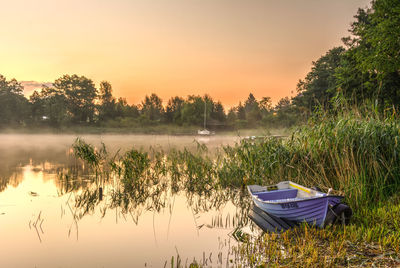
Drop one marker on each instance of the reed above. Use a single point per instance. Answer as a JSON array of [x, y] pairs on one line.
[[353, 152], [357, 156]]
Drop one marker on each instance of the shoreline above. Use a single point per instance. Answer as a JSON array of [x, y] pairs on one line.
[[160, 130]]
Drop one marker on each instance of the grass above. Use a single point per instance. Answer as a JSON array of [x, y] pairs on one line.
[[310, 247], [357, 155]]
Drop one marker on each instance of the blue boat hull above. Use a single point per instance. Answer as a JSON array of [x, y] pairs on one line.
[[312, 211]]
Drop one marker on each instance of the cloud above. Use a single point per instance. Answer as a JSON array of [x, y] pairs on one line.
[[30, 86]]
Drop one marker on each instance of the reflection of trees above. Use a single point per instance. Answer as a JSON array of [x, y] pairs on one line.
[[12, 159], [132, 183], [49, 160]]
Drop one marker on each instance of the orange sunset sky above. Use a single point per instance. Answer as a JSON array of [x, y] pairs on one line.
[[225, 48]]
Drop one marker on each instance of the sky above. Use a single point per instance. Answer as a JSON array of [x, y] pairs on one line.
[[224, 48]]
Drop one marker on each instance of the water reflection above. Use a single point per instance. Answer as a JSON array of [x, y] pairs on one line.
[[54, 208], [53, 152]]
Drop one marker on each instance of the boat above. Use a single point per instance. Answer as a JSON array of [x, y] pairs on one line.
[[294, 202], [205, 131]]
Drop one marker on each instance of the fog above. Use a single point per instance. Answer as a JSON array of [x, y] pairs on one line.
[[18, 150], [10, 143], [33, 190]]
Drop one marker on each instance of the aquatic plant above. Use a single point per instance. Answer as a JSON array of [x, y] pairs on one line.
[[356, 154]]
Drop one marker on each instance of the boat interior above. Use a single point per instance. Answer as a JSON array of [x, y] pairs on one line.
[[285, 190]]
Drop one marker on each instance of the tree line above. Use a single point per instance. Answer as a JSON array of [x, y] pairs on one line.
[[365, 70], [75, 100]]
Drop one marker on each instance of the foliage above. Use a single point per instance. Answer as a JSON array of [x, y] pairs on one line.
[[13, 105], [80, 93], [74, 100], [49, 106], [152, 109], [319, 86], [107, 108], [368, 70]]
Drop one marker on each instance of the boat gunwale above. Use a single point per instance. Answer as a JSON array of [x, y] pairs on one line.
[[296, 201], [255, 196]]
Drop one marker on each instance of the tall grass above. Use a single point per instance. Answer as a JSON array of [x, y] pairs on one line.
[[357, 156]]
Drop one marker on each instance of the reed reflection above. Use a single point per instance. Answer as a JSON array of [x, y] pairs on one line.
[[138, 181]]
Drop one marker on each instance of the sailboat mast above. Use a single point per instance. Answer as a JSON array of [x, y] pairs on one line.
[[205, 114]]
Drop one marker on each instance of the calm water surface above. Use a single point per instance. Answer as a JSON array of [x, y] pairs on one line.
[[47, 221]]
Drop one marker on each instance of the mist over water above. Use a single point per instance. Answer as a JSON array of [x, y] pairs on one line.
[[18, 150], [54, 141], [53, 221]]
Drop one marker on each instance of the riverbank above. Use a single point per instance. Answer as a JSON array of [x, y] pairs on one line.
[[144, 130]]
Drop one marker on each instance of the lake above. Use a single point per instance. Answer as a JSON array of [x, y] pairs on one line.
[[52, 213]]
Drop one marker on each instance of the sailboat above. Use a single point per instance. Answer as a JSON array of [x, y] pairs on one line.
[[205, 131]]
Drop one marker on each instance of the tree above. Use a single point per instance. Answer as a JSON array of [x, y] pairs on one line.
[[241, 112], [80, 93], [374, 51], [320, 84], [218, 113], [50, 105], [152, 108], [107, 108], [173, 111], [37, 106], [376, 32], [14, 107], [286, 114], [282, 104], [266, 105], [252, 110], [193, 111], [231, 117]]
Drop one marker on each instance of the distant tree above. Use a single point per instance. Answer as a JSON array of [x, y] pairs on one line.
[[266, 105], [107, 107], [231, 117], [173, 111], [80, 93], [152, 108], [266, 111], [14, 107], [250, 102], [286, 114], [37, 106], [282, 104], [252, 109], [11, 86], [241, 112], [49, 107], [193, 111], [218, 112], [123, 109]]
